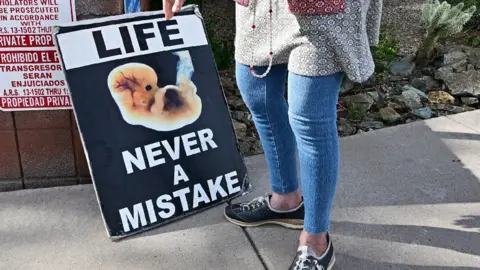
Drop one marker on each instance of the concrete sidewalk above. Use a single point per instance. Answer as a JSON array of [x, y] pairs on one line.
[[408, 198]]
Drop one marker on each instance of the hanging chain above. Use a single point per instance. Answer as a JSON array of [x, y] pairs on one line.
[[270, 53]]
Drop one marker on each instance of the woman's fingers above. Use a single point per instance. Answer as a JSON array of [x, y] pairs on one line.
[[178, 5], [172, 6], [167, 9]]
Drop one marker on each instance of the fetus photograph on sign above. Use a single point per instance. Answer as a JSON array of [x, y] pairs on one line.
[[142, 100]]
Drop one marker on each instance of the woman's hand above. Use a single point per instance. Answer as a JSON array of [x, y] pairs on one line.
[[172, 6]]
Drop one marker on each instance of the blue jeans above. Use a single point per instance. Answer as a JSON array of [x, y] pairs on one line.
[[306, 123]]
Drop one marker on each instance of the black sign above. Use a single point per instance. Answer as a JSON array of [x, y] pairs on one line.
[[152, 117]]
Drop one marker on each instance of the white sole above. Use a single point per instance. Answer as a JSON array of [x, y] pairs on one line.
[[286, 223]]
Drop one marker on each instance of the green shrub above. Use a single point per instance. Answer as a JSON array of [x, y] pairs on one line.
[[468, 3], [355, 114], [442, 20], [386, 50], [388, 47], [474, 22], [474, 41], [223, 50]]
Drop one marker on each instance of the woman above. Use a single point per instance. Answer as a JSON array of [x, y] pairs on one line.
[[316, 43]]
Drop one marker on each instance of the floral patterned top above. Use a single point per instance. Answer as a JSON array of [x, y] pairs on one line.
[[315, 37]]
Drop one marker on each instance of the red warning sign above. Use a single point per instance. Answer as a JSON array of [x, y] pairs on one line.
[[31, 76]]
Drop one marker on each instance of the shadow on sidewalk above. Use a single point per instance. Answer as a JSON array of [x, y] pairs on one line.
[[404, 180], [469, 222], [461, 241], [431, 162], [207, 217], [359, 263], [459, 136], [404, 171]]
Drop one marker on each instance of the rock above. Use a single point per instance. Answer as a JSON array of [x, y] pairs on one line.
[[409, 99], [460, 66], [237, 92], [470, 67], [236, 102], [428, 71], [401, 83], [422, 95], [394, 105], [474, 56], [403, 67], [426, 83], [466, 83], [360, 102], [397, 90], [384, 89], [374, 95], [257, 148], [443, 72], [396, 78], [238, 115], [371, 116], [250, 139], [241, 116], [454, 57], [451, 48], [385, 79], [378, 105], [416, 73], [389, 115], [370, 125], [469, 100], [248, 118], [240, 128], [347, 86], [424, 113], [344, 127], [436, 97], [244, 147], [371, 81], [451, 108], [227, 84]]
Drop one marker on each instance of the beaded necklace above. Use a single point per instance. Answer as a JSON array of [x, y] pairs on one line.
[[270, 53]]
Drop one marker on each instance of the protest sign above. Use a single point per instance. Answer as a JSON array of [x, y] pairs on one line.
[[31, 76], [152, 117]]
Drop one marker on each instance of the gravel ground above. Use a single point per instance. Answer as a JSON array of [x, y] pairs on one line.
[[405, 17]]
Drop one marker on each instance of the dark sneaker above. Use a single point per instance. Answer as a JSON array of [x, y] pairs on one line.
[[259, 212], [306, 259]]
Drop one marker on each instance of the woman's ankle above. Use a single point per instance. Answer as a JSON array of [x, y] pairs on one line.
[[317, 242], [286, 201]]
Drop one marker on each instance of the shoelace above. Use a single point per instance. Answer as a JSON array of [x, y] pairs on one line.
[[303, 262], [257, 202]]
